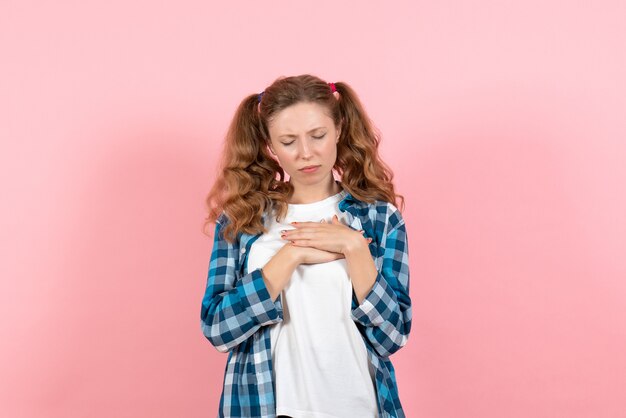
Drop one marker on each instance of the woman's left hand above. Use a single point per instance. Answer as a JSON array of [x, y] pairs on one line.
[[334, 236]]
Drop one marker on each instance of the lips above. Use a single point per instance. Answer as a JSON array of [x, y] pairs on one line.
[[309, 166]]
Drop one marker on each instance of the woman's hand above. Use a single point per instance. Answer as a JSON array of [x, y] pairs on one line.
[[310, 255], [333, 237]]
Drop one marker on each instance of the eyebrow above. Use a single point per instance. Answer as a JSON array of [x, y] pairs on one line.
[[294, 136]]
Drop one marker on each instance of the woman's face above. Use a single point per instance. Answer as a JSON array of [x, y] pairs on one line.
[[304, 135]]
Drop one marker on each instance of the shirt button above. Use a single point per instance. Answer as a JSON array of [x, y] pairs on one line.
[[243, 250]]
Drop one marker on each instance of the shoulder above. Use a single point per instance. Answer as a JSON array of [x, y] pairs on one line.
[[384, 216], [222, 220], [220, 224], [386, 213]]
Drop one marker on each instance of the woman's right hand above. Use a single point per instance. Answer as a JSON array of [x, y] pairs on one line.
[[278, 270]]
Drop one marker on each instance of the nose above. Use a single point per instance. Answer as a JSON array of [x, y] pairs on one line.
[[305, 149]]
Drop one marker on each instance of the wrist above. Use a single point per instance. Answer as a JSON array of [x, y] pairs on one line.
[[292, 256], [356, 246]]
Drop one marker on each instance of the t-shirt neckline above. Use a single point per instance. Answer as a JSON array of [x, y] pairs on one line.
[[330, 199]]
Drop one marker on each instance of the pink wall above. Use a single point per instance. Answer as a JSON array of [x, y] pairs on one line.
[[504, 123]]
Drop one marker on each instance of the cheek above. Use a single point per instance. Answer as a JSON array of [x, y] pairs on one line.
[[285, 158], [330, 149]]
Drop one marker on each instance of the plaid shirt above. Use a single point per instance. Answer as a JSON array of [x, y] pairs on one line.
[[237, 306]]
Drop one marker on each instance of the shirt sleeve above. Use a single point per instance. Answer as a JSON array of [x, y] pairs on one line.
[[234, 307], [385, 314]]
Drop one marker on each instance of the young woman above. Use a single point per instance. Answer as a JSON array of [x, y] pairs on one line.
[[308, 282]]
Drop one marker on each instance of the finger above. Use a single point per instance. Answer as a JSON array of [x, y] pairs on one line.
[[303, 224], [295, 231], [299, 235], [304, 243]]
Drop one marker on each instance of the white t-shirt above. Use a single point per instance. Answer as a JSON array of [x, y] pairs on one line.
[[319, 359]]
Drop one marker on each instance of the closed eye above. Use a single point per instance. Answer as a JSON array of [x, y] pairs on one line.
[[316, 137]]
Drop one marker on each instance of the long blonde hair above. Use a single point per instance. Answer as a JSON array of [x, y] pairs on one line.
[[250, 181]]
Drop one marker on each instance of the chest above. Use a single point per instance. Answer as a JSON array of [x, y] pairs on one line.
[[353, 221]]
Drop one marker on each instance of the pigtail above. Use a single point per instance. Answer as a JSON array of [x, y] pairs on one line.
[[364, 174], [244, 176]]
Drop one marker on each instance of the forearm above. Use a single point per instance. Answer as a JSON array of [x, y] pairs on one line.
[[361, 269], [278, 271], [385, 311], [230, 314]]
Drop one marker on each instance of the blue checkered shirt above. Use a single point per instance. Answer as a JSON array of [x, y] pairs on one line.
[[237, 306]]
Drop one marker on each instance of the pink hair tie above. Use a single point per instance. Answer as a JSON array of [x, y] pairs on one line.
[[332, 87]]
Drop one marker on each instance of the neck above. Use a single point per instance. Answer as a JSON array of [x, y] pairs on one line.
[[315, 193]]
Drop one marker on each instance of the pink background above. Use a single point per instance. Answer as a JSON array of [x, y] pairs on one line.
[[503, 121]]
